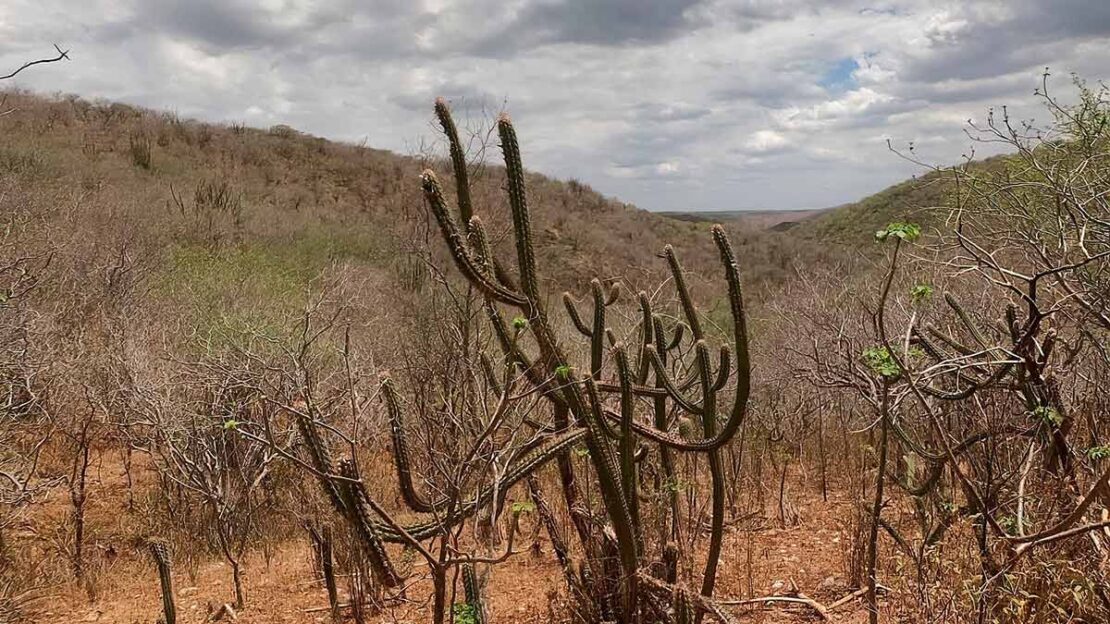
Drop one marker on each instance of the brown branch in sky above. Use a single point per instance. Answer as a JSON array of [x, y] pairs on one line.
[[62, 54]]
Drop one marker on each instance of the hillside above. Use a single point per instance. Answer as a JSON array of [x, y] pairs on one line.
[[278, 195], [922, 199]]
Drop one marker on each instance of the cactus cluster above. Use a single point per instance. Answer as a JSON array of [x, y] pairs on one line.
[[612, 572]]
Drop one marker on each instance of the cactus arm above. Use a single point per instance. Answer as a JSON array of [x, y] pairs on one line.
[[716, 471], [660, 337], [472, 590], [928, 346], [543, 511], [597, 344], [666, 458], [672, 390], [358, 504], [320, 456], [739, 333], [483, 254], [973, 386], [531, 461], [627, 441], [676, 339], [723, 369], [518, 203], [458, 159], [512, 350], [162, 560], [954, 344], [939, 355], [647, 337], [966, 319], [433, 193], [702, 603], [607, 475], [684, 611], [412, 498], [613, 294], [684, 298], [575, 317]]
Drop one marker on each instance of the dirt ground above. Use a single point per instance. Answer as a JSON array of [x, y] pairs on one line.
[[759, 558]]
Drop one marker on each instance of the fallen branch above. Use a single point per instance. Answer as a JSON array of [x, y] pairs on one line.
[[798, 598], [859, 593], [794, 597]]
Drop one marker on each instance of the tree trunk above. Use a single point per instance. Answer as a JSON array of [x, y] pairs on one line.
[[439, 603], [237, 578]]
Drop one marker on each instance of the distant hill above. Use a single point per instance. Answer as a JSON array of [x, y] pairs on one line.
[[223, 215], [775, 220]]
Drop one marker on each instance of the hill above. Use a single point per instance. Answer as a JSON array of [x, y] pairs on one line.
[[774, 220], [922, 199], [249, 199]]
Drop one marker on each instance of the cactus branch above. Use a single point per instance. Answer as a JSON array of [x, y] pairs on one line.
[[433, 193]]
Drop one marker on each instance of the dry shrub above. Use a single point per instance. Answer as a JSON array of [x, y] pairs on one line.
[[141, 150]]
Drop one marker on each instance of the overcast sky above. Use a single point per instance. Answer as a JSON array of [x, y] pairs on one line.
[[669, 104]]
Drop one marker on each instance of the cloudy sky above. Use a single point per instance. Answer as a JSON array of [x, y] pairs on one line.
[[669, 104]]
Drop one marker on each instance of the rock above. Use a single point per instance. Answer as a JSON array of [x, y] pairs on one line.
[[828, 583]]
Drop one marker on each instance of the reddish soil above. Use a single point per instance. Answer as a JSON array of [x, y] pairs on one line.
[[523, 589]]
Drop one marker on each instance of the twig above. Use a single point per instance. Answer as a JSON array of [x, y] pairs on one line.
[[859, 593], [62, 54], [798, 598]]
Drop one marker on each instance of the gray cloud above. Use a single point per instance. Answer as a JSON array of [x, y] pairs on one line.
[[694, 104]]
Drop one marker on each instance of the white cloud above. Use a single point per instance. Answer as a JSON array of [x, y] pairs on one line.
[[664, 103], [766, 141]]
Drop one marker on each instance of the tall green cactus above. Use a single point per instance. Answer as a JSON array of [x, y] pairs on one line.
[[583, 399]]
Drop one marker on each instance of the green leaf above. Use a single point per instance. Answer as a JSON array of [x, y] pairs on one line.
[[522, 507], [562, 371], [908, 232], [1098, 452], [880, 361], [519, 322], [675, 484], [1048, 414], [231, 423], [920, 293]]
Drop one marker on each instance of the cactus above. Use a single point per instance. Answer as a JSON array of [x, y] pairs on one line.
[[581, 400], [684, 387], [472, 590], [161, 555], [358, 513]]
